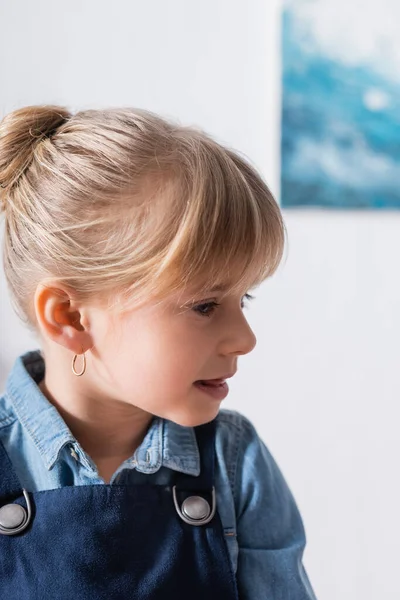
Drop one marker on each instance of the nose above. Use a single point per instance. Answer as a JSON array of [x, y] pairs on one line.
[[241, 338]]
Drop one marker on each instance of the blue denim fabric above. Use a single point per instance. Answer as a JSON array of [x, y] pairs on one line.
[[263, 528]]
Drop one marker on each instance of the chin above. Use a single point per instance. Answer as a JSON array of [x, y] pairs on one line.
[[193, 421]]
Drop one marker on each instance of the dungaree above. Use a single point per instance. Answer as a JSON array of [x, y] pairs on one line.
[[119, 542]]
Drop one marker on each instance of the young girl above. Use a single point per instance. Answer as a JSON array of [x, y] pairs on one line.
[[130, 244]]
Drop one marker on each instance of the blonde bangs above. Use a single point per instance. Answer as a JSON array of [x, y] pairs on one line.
[[228, 229]]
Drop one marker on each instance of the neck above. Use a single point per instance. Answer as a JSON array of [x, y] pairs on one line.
[[106, 428]]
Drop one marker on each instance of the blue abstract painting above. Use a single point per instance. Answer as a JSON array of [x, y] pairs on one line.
[[340, 144]]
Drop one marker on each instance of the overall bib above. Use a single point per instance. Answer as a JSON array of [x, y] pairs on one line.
[[116, 542]]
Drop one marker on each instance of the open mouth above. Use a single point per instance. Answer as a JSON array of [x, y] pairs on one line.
[[210, 382], [217, 388]]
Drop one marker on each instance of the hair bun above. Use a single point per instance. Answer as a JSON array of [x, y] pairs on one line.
[[20, 132]]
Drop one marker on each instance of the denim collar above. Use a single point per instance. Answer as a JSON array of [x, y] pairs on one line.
[[165, 444]]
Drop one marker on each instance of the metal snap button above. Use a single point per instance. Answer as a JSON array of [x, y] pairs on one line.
[[12, 516], [196, 508]]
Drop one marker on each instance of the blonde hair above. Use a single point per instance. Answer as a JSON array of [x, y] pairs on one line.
[[120, 206]]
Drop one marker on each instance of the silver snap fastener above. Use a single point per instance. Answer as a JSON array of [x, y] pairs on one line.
[[12, 516], [196, 508]]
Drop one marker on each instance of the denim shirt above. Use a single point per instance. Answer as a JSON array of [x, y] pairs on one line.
[[263, 528]]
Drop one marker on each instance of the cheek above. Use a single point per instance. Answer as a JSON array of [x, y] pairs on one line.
[[154, 363]]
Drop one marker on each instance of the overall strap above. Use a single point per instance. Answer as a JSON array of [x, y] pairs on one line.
[[205, 435], [10, 486]]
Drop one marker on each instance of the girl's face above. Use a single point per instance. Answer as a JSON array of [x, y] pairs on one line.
[[152, 356]]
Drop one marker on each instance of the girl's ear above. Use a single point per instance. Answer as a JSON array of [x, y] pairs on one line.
[[59, 318]]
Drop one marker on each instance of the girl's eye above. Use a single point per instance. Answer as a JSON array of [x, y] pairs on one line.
[[209, 307], [206, 306]]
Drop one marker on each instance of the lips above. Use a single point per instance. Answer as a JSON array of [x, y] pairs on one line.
[[216, 382], [212, 382]]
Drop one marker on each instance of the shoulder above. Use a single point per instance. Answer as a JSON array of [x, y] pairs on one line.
[[248, 461], [257, 481], [232, 429], [237, 434], [269, 535], [233, 432]]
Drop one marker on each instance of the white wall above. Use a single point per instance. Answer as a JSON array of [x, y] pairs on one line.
[[321, 384]]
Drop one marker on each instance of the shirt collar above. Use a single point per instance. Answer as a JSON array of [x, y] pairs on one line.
[[165, 444]]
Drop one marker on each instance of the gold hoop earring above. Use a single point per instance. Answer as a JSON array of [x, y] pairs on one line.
[[84, 365]]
